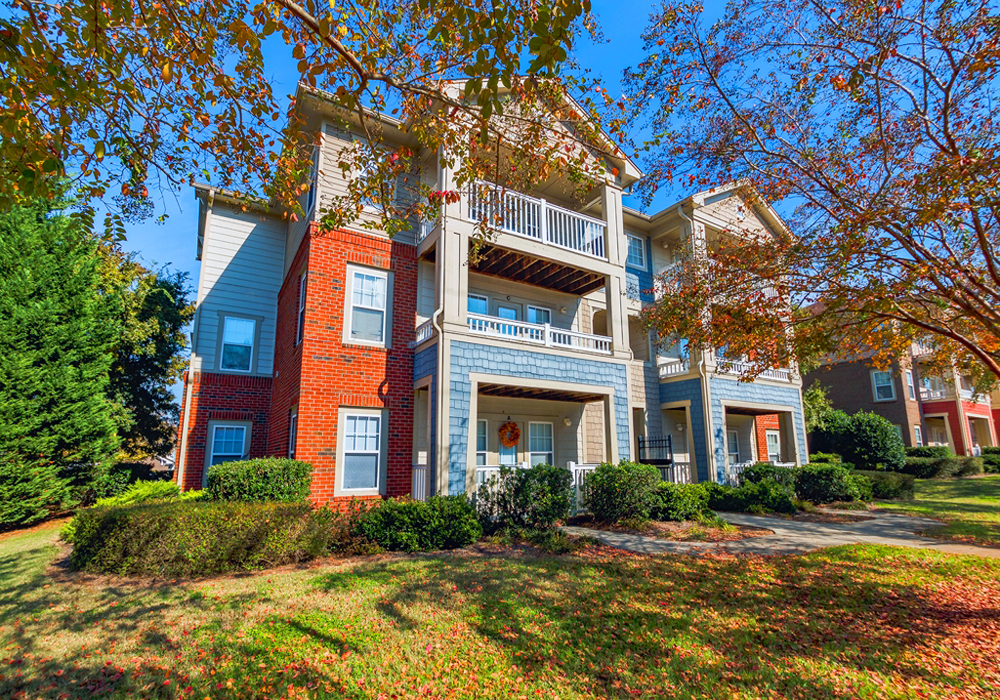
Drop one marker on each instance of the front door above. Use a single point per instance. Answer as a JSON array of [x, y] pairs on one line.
[[508, 312], [773, 446]]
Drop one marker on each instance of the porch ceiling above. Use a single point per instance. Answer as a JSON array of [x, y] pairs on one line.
[[519, 392], [511, 265], [741, 411]]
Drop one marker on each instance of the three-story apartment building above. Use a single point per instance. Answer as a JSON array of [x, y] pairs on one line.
[[404, 365]]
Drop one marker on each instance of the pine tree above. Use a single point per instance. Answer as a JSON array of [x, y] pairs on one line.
[[55, 351]]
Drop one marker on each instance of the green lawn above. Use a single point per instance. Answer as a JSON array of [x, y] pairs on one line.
[[969, 507], [868, 622]]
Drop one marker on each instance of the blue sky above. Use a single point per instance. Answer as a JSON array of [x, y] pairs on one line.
[[173, 243]]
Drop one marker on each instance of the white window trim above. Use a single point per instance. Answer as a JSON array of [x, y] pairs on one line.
[[552, 452], [540, 308], [482, 297], [221, 341], [363, 173], [312, 195], [767, 447], [485, 453], [210, 447], [293, 431], [733, 433], [892, 386], [918, 434], [386, 341], [645, 264], [301, 315], [911, 387], [383, 415]]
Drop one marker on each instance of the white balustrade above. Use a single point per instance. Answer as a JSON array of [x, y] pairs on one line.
[[421, 482], [932, 394], [538, 334], [425, 228], [521, 215], [674, 368], [734, 472], [579, 472], [740, 367], [425, 331]]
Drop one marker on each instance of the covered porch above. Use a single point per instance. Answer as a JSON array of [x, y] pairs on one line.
[[757, 434]]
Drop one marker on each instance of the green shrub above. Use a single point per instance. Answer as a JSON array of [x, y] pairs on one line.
[[763, 497], [991, 450], [862, 485], [889, 486], [760, 471], [615, 492], [679, 502], [116, 480], [29, 491], [402, 524], [532, 498], [932, 467], [825, 483], [866, 440], [937, 451], [181, 539], [142, 492], [971, 466], [262, 479], [824, 458], [991, 462]]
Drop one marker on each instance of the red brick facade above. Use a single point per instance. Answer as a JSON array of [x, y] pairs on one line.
[[322, 373], [762, 424], [229, 397]]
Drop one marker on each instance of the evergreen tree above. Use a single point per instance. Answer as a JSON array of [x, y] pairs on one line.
[[55, 350]]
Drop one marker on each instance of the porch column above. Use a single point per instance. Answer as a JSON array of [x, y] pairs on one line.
[[452, 263], [610, 430], [789, 438]]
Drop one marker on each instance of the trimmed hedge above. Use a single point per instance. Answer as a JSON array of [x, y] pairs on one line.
[[262, 479], [824, 458], [866, 440], [971, 466], [679, 502], [183, 538], [991, 462], [756, 473], [402, 524], [825, 483], [936, 451], [616, 492], [142, 492], [991, 450], [862, 485], [764, 497], [943, 467], [890, 486], [532, 498]]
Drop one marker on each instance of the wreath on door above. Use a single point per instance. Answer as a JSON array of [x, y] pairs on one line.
[[510, 434]]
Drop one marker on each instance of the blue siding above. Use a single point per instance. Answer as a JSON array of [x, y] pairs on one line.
[[638, 283], [690, 390], [729, 389], [424, 365], [472, 357]]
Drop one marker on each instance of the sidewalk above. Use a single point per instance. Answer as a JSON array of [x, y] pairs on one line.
[[795, 537]]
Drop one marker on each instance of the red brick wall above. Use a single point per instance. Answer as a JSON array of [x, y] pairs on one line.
[[761, 425], [996, 426], [958, 431], [223, 397], [335, 374]]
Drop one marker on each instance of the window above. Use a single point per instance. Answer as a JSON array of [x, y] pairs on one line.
[[481, 444], [539, 315], [540, 443], [636, 251], [293, 429], [911, 390], [478, 304], [773, 438], [368, 306], [508, 313], [882, 386], [313, 183], [362, 451], [228, 443], [508, 455], [733, 443], [919, 435], [237, 344], [302, 309]]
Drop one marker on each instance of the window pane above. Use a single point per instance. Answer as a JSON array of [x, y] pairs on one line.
[[360, 471], [478, 305], [481, 436], [508, 455], [537, 315], [540, 437], [239, 331], [541, 458], [369, 290], [236, 357], [227, 442], [367, 324], [734, 442], [636, 251]]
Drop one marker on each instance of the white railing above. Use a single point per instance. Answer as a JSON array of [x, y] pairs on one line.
[[485, 473], [521, 215], [538, 334], [932, 394], [678, 473], [734, 472], [421, 482], [425, 331], [977, 451], [579, 472], [674, 368], [425, 228], [740, 367]]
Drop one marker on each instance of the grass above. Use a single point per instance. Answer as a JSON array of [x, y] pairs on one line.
[[849, 622], [970, 508]]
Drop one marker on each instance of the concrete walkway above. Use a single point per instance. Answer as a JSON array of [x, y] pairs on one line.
[[797, 537]]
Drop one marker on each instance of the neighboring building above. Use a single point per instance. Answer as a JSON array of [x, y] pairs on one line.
[[926, 408], [392, 365]]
